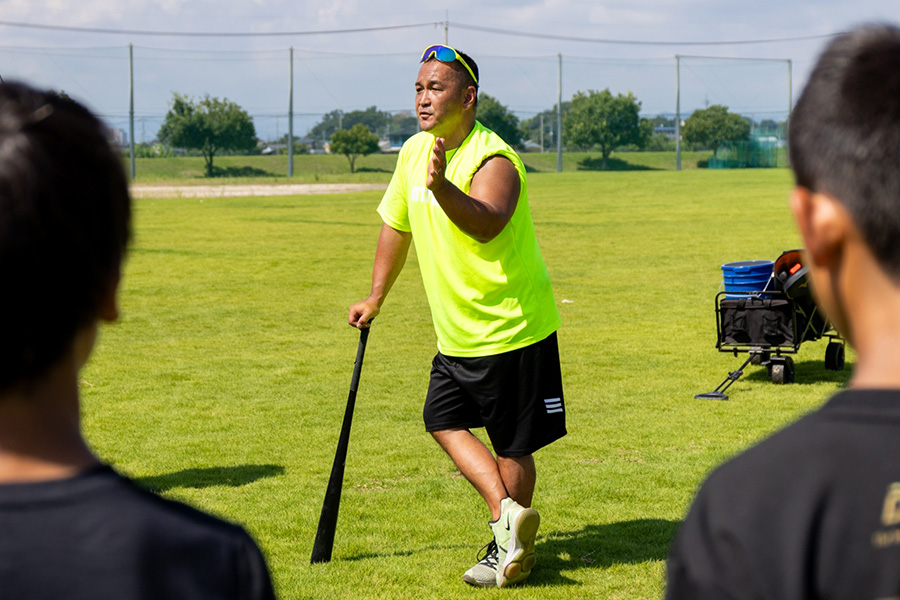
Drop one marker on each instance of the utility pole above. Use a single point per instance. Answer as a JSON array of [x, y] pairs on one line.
[[446, 26]]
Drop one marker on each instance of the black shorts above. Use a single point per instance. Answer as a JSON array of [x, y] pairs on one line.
[[516, 396]]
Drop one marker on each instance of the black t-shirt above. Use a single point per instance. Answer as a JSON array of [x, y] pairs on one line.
[[811, 512], [98, 536]]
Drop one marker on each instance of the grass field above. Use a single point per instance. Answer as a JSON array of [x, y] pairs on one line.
[[319, 168], [224, 383]]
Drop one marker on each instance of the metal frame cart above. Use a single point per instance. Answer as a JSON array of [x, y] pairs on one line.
[[771, 324]]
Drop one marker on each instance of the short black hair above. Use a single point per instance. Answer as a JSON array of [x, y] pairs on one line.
[[463, 76], [845, 134], [471, 62], [65, 222]]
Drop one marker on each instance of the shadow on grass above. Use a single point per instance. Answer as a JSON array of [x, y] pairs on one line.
[[241, 172], [612, 164], [805, 372], [371, 170], [626, 542], [179, 252], [209, 477]]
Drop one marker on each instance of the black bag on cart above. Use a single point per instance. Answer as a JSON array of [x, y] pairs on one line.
[[756, 321]]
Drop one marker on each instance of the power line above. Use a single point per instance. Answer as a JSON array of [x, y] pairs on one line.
[[565, 38], [512, 32], [211, 34]]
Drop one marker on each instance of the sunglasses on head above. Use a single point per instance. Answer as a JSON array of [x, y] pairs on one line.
[[448, 55]]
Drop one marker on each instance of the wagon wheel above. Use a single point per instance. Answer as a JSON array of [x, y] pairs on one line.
[[834, 356], [783, 371], [778, 373]]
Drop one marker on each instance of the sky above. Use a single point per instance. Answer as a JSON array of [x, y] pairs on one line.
[[352, 54]]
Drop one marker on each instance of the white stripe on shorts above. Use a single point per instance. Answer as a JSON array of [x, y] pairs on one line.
[[554, 405]]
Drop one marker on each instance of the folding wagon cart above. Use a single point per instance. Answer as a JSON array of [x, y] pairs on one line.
[[770, 322]]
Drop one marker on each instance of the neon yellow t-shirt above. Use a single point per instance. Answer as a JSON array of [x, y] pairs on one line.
[[485, 298]]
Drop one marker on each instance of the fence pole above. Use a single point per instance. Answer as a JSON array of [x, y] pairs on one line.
[[787, 121], [559, 114], [291, 119], [677, 113], [131, 106], [542, 133]]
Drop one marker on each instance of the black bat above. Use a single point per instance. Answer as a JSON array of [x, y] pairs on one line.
[[324, 543]]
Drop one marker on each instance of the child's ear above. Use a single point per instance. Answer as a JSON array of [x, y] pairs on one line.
[[823, 223], [109, 302]]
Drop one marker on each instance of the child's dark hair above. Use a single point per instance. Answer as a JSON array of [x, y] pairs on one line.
[[64, 226], [845, 134]]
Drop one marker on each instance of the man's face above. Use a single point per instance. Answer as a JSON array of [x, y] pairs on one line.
[[440, 98]]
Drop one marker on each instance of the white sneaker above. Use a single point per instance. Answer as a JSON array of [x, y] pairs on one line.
[[484, 573], [514, 533]]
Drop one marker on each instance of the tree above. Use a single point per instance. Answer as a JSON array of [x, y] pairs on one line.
[[404, 121], [499, 119], [374, 119], [531, 128], [601, 121], [714, 125], [353, 143], [210, 125]]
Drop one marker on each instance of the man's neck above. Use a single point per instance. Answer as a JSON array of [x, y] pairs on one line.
[[455, 139]]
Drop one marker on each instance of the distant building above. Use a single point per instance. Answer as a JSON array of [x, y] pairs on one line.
[[316, 146], [666, 130], [396, 139]]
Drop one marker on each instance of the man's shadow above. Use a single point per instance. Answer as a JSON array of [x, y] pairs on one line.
[[627, 542], [209, 477]]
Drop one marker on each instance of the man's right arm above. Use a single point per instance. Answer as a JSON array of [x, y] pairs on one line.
[[390, 256]]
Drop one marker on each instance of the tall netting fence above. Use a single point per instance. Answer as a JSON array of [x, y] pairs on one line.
[[262, 83]]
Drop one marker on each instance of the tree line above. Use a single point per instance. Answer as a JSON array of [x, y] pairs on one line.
[[593, 121]]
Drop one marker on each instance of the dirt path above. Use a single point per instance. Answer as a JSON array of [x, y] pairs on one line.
[[140, 190]]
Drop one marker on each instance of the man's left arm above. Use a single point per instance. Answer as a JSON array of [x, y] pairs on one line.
[[491, 201]]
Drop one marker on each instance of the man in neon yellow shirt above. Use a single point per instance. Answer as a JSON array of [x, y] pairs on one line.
[[460, 191]]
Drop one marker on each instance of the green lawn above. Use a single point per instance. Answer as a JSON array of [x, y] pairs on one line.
[[320, 168], [225, 382]]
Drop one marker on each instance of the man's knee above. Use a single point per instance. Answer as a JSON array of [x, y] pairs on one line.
[[445, 436]]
